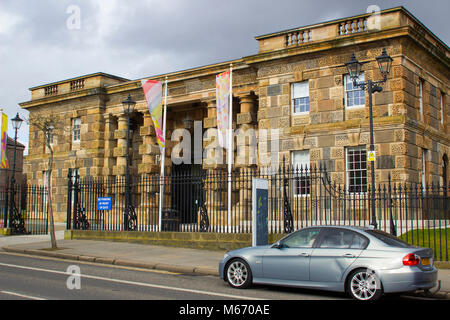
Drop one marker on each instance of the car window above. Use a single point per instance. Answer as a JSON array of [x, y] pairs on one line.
[[340, 238], [302, 239], [388, 239]]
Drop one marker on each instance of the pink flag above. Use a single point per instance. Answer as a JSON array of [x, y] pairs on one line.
[[222, 105], [153, 95]]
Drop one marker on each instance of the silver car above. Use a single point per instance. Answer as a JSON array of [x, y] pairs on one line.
[[363, 262]]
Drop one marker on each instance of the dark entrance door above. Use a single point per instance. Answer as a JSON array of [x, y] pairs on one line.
[[186, 188]]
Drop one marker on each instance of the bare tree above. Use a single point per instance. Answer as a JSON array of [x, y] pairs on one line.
[[46, 125]]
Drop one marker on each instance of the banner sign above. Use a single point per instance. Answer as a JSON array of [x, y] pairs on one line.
[[260, 196], [104, 203], [4, 160], [153, 95], [222, 104]]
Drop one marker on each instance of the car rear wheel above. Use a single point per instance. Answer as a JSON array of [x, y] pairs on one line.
[[239, 274], [364, 284]]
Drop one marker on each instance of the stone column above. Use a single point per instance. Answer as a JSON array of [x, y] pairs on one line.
[[151, 167], [120, 150], [149, 149], [246, 153], [109, 160], [215, 165]]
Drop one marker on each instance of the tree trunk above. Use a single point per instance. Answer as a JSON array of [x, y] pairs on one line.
[[49, 200]]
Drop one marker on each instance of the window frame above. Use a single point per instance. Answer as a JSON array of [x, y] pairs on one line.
[[304, 175], [421, 83], [361, 78], [348, 171], [423, 173], [51, 135], [76, 129], [315, 242], [327, 231], [442, 107], [47, 188], [293, 99]]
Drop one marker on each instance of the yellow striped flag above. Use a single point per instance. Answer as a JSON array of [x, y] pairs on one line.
[[4, 160]]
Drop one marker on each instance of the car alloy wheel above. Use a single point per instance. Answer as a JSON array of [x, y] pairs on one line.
[[365, 285], [239, 274]]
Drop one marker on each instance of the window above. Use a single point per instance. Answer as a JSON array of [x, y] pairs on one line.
[[444, 170], [302, 239], [335, 238], [388, 239], [300, 97], [47, 186], [442, 108], [300, 165], [357, 169], [354, 95], [76, 129], [421, 98], [50, 134], [73, 178], [424, 166]]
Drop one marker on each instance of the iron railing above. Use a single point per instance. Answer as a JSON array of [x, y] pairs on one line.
[[27, 213], [298, 197]]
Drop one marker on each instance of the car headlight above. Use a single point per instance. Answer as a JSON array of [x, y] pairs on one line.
[[226, 255]]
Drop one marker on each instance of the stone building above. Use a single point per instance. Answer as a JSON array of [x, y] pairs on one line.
[[5, 174], [296, 83]]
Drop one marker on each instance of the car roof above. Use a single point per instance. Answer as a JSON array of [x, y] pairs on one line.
[[357, 228]]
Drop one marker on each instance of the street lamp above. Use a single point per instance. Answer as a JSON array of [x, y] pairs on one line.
[[128, 214], [15, 219], [354, 69]]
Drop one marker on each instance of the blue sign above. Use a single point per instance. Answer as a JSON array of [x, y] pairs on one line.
[[260, 194], [104, 203]]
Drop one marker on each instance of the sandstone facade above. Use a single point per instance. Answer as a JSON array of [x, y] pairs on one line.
[[411, 114]]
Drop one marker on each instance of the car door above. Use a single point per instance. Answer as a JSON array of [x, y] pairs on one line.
[[290, 259], [335, 251]]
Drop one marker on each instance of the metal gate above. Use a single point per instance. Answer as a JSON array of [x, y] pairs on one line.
[[24, 209]]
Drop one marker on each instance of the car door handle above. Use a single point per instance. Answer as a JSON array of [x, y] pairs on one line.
[[348, 255], [304, 254]]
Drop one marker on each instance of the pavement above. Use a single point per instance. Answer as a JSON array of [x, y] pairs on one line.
[[174, 259]]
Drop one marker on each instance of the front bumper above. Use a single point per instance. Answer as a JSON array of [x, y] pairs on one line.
[[221, 267]]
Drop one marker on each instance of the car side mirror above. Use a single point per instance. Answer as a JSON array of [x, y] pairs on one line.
[[278, 245]]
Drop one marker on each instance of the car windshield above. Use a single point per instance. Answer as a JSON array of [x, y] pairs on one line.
[[388, 239]]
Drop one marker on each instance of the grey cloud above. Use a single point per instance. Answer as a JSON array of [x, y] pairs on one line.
[[136, 39]]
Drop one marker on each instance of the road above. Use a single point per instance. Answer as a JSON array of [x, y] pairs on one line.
[[179, 296], [31, 278]]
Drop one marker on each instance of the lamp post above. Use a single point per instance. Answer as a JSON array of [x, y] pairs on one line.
[[128, 108], [17, 226], [354, 69]]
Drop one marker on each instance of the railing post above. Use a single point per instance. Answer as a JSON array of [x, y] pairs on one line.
[[69, 200], [393, 228], [75, 187], [5, 220]]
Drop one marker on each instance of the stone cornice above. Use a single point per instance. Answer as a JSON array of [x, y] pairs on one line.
[[345, 41], [63, 97]]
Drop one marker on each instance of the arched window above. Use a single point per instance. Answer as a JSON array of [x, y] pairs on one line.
[[445, 170]]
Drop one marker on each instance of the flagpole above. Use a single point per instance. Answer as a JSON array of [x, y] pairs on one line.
[[230, 147], [163, 158]]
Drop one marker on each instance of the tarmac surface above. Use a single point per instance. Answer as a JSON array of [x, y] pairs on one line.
[[184, 260]]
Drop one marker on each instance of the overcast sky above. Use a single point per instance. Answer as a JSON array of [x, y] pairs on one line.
[[43, 41]]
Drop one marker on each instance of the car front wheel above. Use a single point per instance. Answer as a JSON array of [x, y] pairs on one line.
[[364, 284], [239, 274]]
